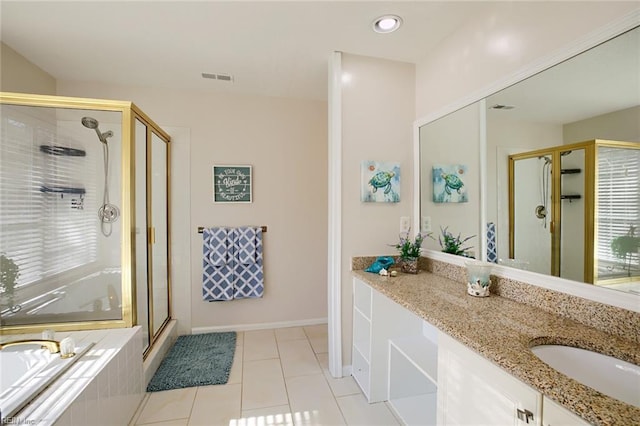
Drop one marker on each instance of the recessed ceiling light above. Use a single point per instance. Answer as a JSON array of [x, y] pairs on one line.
[[387, 24]]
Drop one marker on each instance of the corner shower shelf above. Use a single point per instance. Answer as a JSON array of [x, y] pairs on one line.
[[570, 171], [62, 190], [571, 197], [62, 150]]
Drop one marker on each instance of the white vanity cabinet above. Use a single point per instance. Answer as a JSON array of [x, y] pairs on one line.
[[553, 414], [394, 355], [473, 391]]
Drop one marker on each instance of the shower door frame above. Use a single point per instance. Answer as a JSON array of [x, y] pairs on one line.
[[555, 224], [129, 113]]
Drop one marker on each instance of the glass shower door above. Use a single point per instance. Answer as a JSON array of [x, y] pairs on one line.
[[142, 292], [159, 240], [532, 213], [572, 217]]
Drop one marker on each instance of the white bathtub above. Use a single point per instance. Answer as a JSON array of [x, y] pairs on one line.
[[26, 370], [103, 387], [91, 298]]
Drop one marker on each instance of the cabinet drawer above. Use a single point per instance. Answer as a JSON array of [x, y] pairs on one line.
[[362, 297], [362, 334], [360, 371]]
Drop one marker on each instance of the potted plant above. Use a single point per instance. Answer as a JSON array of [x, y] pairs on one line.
[[453, 244], [9, 273], [409, 252]]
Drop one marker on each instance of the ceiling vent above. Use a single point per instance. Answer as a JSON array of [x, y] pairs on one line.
[[221, 77], [500, 106]]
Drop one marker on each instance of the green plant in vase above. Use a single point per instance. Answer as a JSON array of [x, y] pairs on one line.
[[454, 244], [409, 251]]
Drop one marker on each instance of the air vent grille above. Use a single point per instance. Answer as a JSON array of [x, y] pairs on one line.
[[221, 77], [500, 106]]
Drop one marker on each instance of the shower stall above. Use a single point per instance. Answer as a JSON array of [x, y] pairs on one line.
[[574, 211], [84, 218]]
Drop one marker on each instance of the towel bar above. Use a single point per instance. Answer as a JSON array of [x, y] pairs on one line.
[[201, 229]]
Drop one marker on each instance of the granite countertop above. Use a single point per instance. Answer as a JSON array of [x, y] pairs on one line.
[[511, 329]]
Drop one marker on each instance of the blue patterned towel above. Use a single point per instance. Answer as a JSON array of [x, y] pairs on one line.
[[492, 248], [217, 265], [245, 242], [247, 251]]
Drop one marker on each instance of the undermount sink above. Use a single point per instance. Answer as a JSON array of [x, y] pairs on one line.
[[608, 375]]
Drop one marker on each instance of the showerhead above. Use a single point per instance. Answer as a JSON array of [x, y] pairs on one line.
[[92, 123], [546, 159], [89, 122]]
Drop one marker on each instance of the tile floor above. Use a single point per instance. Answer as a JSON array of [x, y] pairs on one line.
[[279, 377]]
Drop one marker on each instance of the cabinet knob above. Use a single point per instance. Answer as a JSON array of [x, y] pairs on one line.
[[525, 415]]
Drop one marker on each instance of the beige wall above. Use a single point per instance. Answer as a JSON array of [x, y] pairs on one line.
[[500, 43], [17, 74], [377, 116], [621, 125], [286, 143]]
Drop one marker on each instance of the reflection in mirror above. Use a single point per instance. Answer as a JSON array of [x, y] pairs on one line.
[[594, 95], [451, 140]]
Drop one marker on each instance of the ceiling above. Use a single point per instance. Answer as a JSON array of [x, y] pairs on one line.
[[270, 48]]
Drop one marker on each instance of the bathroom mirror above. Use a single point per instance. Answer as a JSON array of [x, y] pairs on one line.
[[594, 95]]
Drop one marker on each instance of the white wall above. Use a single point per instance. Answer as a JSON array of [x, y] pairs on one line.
[[377, 114], [286, 143], [17, 74]]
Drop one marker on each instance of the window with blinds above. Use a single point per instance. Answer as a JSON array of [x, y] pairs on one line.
[[44, 225], [618, 189]]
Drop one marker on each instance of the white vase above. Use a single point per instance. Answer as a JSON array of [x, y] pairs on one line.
[[478, 277]]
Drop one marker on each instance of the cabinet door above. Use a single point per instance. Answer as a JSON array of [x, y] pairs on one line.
[[473, 391], [554, 414]]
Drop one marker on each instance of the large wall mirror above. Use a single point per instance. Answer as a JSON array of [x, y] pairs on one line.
[[564, 199]]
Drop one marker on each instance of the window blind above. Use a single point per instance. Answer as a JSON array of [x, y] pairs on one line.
[[618, 200], [45, 233]]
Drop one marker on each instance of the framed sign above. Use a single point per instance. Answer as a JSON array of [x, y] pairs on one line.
[[232, 184]]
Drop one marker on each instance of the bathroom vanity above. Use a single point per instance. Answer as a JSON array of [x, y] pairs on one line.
[[442, 357]]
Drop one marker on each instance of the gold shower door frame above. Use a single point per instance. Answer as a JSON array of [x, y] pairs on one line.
[[130, 112], [590, 201]]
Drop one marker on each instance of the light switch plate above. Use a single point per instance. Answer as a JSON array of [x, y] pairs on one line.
[[425, 225], [405, 223]]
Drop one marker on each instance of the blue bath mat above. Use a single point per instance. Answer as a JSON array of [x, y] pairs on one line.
[[196, 360]]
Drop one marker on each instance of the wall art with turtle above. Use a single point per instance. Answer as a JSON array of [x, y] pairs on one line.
[[380, 182], [449, 184]]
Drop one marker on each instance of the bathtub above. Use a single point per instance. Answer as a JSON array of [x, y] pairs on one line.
[[103, 387], [26, 370], [96, 296]]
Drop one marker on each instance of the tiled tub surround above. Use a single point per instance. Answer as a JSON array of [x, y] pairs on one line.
[[104, 387], [503, 330]]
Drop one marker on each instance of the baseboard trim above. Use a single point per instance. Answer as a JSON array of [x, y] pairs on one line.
[[258, 326]]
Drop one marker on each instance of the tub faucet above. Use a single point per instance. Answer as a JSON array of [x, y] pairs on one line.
[[52, 345]]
